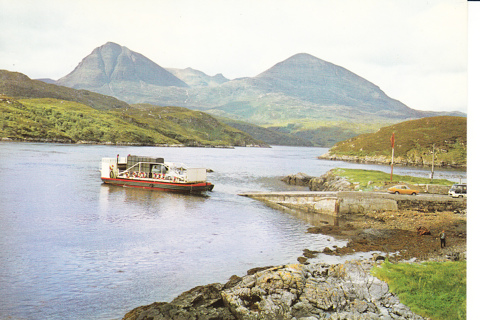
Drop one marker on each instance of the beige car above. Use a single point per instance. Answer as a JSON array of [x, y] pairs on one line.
[[402, 189]]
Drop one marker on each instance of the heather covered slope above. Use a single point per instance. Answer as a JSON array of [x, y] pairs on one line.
[[53, 120], [414, 142], [18, 85]]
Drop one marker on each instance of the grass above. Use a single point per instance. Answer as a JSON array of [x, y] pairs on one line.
[[414, 141], [369, 179], [437, 290], [49, 119]]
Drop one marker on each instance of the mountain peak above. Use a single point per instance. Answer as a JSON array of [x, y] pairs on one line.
[[303, 56], [112, 63], [303, 62], [111, 44], [309, 78]]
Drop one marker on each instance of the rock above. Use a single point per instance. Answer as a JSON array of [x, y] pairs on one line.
[[422, 231], [330, 182], [299, 179], [327, 250], [310, 253], [302, 260], [204, 302], [316, 291]]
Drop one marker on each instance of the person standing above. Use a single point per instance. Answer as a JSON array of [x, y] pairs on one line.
[[442, 239]]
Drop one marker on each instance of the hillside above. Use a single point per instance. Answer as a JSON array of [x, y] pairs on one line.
[[414, 142], [18, 85], [52, 120], [268, 135], [189, 127]]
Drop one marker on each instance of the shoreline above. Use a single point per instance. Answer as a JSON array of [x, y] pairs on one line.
[[315, 289], [133, 144], [342, 290], [383, 160]]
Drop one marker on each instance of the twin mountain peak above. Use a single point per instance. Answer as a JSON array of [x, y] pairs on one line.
[[301, 86]]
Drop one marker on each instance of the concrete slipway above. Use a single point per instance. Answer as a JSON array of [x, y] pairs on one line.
[[352, 202]]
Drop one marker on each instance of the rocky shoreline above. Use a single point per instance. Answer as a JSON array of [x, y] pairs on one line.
[[310, 290], [417, 160], [315, 290]]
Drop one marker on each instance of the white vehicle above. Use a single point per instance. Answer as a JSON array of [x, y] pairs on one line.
[[458, 191]]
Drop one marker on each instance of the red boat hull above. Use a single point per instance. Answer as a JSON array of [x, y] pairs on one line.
[[161, 186]]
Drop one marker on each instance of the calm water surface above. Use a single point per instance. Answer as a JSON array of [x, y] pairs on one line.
[[74, 248]]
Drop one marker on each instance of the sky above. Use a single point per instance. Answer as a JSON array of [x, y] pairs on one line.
[[414, 50]]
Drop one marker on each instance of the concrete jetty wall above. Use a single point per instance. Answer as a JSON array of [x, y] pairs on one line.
[[350, 202]]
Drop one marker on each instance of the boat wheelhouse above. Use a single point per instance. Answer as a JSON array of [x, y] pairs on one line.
[[154, 173]]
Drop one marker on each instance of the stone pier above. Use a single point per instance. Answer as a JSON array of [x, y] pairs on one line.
[[350, 202]]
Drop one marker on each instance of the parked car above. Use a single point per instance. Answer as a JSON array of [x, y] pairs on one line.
[[458, 191], [402, 189]]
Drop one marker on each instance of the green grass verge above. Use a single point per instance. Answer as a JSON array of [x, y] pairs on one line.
[[369, 179], [437, 290]]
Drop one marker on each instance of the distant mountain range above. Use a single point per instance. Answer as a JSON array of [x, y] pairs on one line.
[[309, 97]]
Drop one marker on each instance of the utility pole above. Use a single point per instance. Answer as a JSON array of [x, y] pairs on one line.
[[392, 140], [433, 162]]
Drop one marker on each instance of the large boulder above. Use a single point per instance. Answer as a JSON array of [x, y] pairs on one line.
[[330, 182], [299, 179], [203, 302]]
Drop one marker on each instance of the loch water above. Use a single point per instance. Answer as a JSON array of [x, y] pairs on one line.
[[74, 248]]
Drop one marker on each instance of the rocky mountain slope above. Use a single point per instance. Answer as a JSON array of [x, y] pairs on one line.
[[110, 67], [308, 78], [196, 78], [300, 82], [311, 98]]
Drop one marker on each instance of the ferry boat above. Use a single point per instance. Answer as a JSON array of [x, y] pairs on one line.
[[155, 174]]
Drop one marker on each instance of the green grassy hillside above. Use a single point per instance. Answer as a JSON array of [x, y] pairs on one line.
[[324, 133], [414, 141], [269, 135], [188, 126], [14, 84], [50, 119]]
